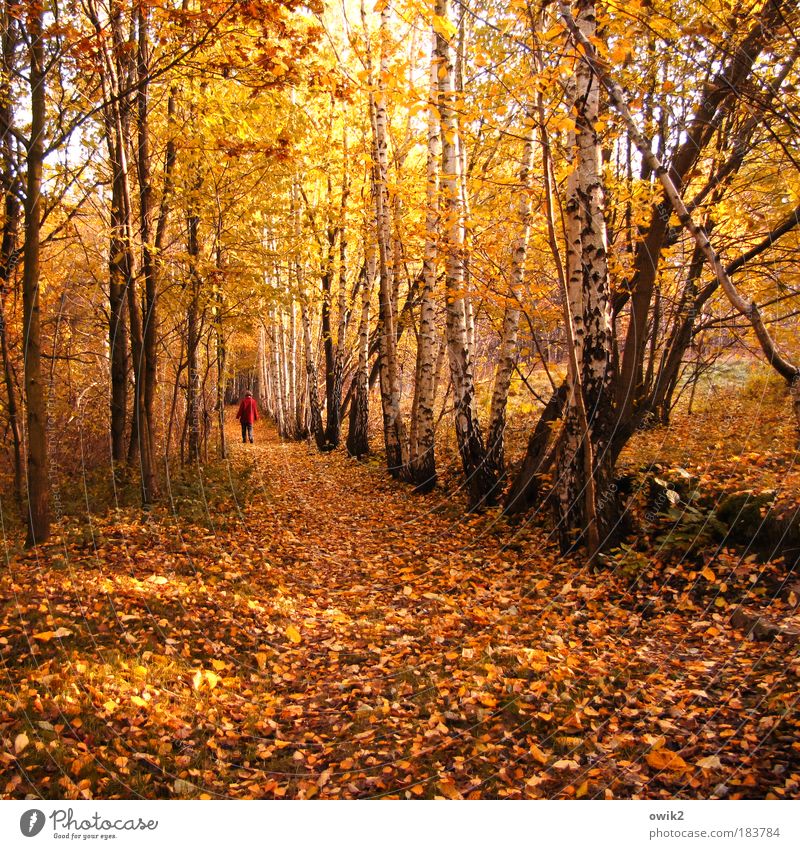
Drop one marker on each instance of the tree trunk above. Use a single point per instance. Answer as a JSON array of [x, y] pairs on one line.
[[193, 325], [328, 260], [481, 478], [115, 63], [264, 389], [38, 495], [507, 356], [311, 373], [296, 409], [358, 432], [583, 466], [302, 397], [276, 372], [393, 428], [9, 253], [334, 429], [423, 458], [147, 365], [286, 407], [11, 394]]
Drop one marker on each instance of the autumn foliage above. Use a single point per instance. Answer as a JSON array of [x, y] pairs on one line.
[[515, 288]]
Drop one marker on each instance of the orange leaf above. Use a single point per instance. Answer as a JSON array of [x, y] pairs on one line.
[[449, 789], [664, 759], [537, 754]]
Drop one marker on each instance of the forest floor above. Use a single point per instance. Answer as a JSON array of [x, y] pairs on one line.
[[302, 626]]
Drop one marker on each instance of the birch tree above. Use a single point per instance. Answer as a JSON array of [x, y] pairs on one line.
[[423, 460], [481, 478]]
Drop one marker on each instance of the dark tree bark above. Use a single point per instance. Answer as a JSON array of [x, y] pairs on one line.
[[38, 494], [146, 366], [9, 251], [358, 432]]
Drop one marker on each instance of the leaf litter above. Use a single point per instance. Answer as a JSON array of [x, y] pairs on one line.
[[340, 637]]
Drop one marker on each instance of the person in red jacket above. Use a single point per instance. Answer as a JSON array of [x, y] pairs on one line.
[[247, 414]]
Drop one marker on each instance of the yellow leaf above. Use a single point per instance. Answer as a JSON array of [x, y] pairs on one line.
[[197, 679], [212, 678], [20, 742], [219, 665], [487, 700], [537, 754], [444, 27], [619, 53], [293, 634], [261, 660], [449, 789], [582, 790], [667, 760], [708, 574], [138, 701]]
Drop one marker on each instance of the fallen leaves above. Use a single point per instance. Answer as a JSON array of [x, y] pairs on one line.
[[396, 654], [46, 636], [666, 760]]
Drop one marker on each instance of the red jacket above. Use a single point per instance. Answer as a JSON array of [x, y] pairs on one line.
[[248, 411]]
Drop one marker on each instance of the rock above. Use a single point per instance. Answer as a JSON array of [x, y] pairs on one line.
[[745, 513], [668, 486]]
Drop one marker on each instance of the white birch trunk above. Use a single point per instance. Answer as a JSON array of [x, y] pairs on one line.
[[587, 317], [394, 430], [263, 372], [507, 356], [278, 402], [480, 476], [423, 460], [311, 375]]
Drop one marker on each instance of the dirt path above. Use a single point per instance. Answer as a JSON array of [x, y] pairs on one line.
[[335, 635]]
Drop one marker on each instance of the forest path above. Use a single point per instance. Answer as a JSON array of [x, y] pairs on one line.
[[461, 655], [330, 523], [306, 626]]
